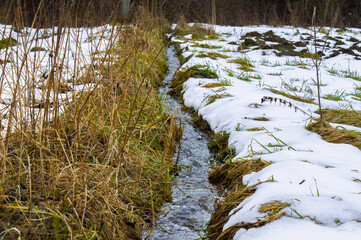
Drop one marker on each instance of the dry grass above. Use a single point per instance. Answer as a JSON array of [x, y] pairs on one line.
[[335, 135], [245, 64], [205, 45], [274, 210], [212, 55], [273, 207], [255, 129], [212, 98], [262, 119], [294, 97], [101, 167], [229, 175], [222, 83], [348, 117]]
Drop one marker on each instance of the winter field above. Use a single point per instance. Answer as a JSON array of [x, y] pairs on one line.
[[259, 84]]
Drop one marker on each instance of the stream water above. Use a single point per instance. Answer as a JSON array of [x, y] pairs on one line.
[[187, 215]]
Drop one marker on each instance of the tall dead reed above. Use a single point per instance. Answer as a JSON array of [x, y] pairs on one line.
[[86, 145]]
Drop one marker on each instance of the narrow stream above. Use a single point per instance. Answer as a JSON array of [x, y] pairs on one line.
[[187, 215]]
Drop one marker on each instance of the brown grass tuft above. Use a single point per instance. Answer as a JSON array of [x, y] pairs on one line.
[[335, 135], [229, 176], [348, 117]]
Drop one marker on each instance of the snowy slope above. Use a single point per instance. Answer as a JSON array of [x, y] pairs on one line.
[[319, 180]]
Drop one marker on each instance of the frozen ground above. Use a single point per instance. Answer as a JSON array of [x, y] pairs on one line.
[[29, 55], [319, 180]]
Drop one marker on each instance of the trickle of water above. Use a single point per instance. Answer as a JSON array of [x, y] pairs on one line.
[[189, 212]]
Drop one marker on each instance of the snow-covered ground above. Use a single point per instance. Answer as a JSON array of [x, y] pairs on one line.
[[26, 62], [320, 181]]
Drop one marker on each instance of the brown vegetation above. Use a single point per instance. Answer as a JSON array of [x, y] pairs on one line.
[[274, 12], [335, 135], [229, 176], [102, 168]]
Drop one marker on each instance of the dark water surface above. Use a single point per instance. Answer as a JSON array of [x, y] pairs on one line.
[[187, 215]]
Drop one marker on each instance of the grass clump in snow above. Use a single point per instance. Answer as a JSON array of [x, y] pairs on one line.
[[336, 96], [348, 73], [341, 116], [206, 45], [7, 42], [255, 129], [219, 147], [274, 210], [274, 207], [229, 176], [262, 119], [335, 135], [256, 76], [356, 95], [296, 63], [244, 76], [275, 73], [351, 74], [212, 55], [213, 98], [294, 97], [196, 71], [198, 32], [245, 64], [221, 83]]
